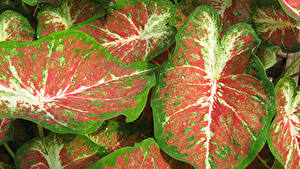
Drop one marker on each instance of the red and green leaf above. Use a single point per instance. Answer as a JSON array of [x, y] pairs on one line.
[[284, 138], [6, 130], [113, 135], [291, 7], [15, 27], [143, 155], [276, 28], [69, 83], [212, 103], [69, 13], [138, 32], [59, 152]]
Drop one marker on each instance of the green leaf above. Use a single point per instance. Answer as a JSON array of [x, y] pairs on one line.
[[69, 13], [15, 27], [59, 152], [267, 55], [68, 83], [284, 134], [212, 105]]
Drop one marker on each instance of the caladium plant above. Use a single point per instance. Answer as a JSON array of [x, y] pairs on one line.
[[197, 117], [291, 7], [6, 130], [285, 130]]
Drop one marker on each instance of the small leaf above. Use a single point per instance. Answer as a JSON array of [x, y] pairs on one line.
[[291, 7], [267, 55], [69, 13], [143, 155], [15, 27], [276, 28], [138, 32], [6, 130], [113, 135], [284, 134], [212, 103], [69, 83], [59, 152]]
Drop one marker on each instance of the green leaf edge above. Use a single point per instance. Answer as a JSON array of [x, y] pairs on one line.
[[277, 87], [287, 12], [10, 134], [256, 146], [91, 126], [111, 159]]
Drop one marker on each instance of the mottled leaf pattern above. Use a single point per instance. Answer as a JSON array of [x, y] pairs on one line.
[[143, 155], [275, 27], [69, 13], [285, 130], [59, 152], [138, 32], [67, 82], [6, 130], [113, 135], [210, 104], [15, 27], [291, 7]]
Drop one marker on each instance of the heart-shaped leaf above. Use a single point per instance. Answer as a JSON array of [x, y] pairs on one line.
[[275, 27], [138, 32], [59, 152], [15, 27], [113, 135], [69, 83], [69, 13], [6, 130], [285, 130], [143, 155], [212, 102], [291, 7]]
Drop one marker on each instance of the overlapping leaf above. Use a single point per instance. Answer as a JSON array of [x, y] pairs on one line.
[[69, 13], [291, 7], [113, 135], [36, 2], [212, 102], [285, 130], [138, 32], [275, 27], [15, 27], [67, 82], [6, 130], [59, 152], [143, 155]]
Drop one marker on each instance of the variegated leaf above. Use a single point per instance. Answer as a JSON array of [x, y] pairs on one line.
[[59, 152], [69, 13], [275, 27], [212, 102], [6, 130], [138, 32], [284, 138], [15, 27], [113, 135], [291, 7], [68, 82], [143, 155]]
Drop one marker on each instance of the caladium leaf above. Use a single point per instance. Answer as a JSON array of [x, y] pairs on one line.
[[138, 32], [267, 55], [59, 152], [291, 7], [36, 2], [6, 130], [113, 135], [69, 83], [15, 27], [276, 28], [285, 130], [212, 102], [69, 13], [143, 155]]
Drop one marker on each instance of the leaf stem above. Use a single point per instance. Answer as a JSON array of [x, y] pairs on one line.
[[176, 2], [36, 10], [289, 69], [11, 153], [41, 131], [295, 75], [263, 161]]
